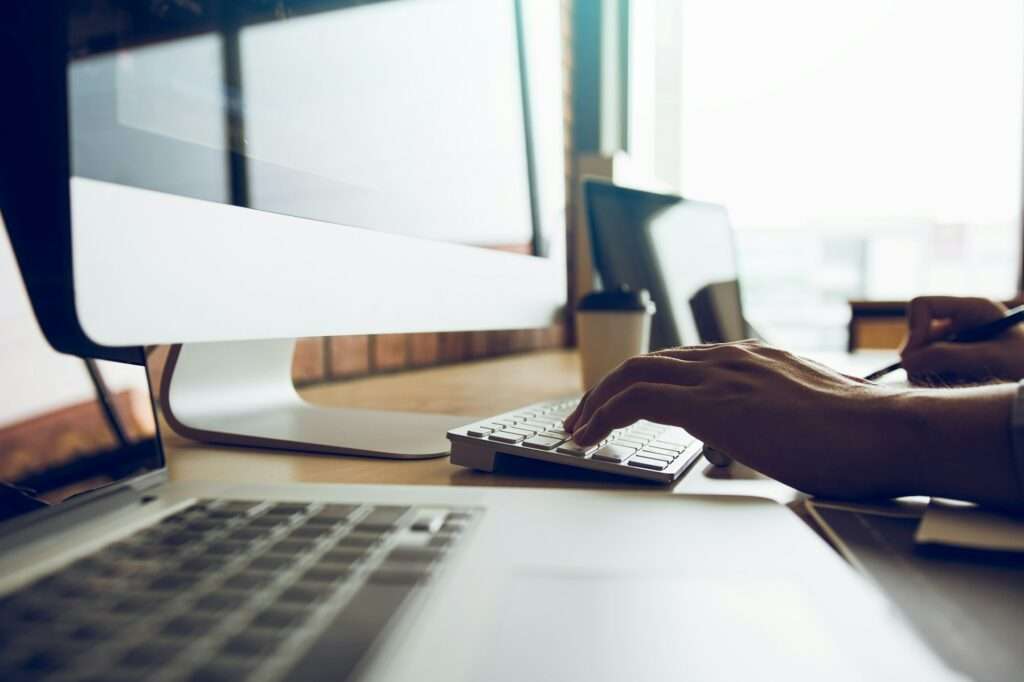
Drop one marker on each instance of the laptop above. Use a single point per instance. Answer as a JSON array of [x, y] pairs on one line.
[[111, 571]]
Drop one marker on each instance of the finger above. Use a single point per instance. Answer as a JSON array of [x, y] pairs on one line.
[[655, 369], [931, 318], [659, 403], [967, 360], [570, 421]]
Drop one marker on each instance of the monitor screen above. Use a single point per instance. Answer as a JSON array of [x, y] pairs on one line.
[[56, 439], [399, 116]]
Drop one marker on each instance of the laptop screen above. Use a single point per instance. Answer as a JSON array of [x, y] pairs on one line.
[[58, 438]]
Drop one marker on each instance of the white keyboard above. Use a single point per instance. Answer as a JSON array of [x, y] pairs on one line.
[[643, 450]]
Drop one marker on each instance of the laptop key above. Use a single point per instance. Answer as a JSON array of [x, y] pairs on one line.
[[277, 616], [224, 671], [247, 582], [270, 563], [337, 511], [291, 546], [302, 595], [152, 654], [189, 626], [221, 601], [249, 644], [323, 575], [383, 518]]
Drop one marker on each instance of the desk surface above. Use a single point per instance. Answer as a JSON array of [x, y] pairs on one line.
[[475, 389]]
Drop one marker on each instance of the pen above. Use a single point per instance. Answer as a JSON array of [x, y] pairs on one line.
[[982, 332]]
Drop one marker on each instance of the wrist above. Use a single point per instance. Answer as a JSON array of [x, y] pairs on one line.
[[961, 445]]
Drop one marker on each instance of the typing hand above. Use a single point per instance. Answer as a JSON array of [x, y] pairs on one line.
[[927, 358], [794, 420]]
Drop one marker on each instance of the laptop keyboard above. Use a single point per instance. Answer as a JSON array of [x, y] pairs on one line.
[[642, 450], [229, 590]]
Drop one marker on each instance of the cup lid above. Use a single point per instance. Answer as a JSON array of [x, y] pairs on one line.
[[622, 299]]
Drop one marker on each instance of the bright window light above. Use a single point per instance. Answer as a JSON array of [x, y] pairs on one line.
[[867, 149]]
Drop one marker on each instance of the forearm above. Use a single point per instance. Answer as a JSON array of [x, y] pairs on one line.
[[966, 449]]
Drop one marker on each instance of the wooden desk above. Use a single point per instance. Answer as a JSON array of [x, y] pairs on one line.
[[475, 389]]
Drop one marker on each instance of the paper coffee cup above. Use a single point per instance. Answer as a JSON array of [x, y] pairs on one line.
[[612, 326]]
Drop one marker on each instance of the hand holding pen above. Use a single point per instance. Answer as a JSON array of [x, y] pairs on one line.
[[967, 339]]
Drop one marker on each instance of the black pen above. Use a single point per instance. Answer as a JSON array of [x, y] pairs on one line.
[[982, 332]]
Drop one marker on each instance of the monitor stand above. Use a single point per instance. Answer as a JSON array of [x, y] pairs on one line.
[[242, 393]]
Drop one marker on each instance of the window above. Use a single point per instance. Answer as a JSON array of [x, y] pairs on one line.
[[865, 149]]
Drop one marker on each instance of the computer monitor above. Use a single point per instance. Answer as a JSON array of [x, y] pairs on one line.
[[206, 172], [680, 249]]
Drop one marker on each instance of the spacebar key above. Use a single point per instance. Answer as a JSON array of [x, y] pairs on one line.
[[343, 643]]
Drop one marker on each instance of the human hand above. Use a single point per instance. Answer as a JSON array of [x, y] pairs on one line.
[[926, 357], [799, 422]]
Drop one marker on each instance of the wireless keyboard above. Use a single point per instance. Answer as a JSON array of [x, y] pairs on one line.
[[643, 450]]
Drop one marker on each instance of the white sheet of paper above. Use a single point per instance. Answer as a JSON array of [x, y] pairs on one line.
[[968, 526]]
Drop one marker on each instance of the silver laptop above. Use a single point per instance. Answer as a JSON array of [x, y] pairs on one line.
[[112, 572]]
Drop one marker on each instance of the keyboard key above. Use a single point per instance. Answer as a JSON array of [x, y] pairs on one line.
[[291, 547], [309, 532], [522, 430], [428, 521], [542, 442], [630, 442], [613, 452], [268, 521], [277, 616], [300, 595], [287, 509], [201, 564], [411, 554], [667, 459], [173, 582], [646, 463], [342, 557], [248, 582], [324, 575], [506, 437], [189, 626], [253, 644], [336, 511], [661, 451], [224, 671], [674, 448], [151, 654], [270, 563], [222, 601], [359, 540], [248, 534], [572, 448], [92, 631], [479, 431], [226, 548], [383, 518]]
